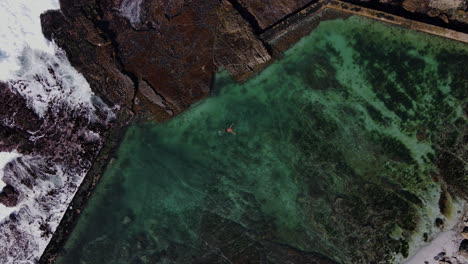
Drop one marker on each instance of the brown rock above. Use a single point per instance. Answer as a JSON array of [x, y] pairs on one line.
[[17, 119], [9, 196], [267, 14], [173, 54], [455, 10], [89, 50], [464, 247], [465, 232], [416, 5], [237, 49], [433, 12], [444, 18], [159, 61]]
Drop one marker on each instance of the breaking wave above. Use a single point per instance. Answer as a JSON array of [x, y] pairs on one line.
[[36, 67], [46, 79], [40, 172]]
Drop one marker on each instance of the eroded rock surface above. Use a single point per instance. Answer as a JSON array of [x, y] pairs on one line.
[[442, 12], [269, 14], [445, 11], [132, 51], [169, 47], [55, 150]]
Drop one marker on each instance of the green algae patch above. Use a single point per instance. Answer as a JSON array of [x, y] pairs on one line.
[[337, 147]]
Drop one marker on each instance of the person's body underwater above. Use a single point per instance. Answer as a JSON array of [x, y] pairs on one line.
[[230, 130]]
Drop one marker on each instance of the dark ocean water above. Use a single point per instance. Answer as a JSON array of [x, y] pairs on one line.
[[334, 154]]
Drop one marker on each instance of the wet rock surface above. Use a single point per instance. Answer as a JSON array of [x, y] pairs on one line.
[[445, 13], [17, 120], [156, 58], [171, 48], [9, 196], [55, 151], [367, 210], [266, 15], [58, 135], [464, 247]]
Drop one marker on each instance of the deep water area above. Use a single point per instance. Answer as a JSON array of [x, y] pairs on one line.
[[340, 156]]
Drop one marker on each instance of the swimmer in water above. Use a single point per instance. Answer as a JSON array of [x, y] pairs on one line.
[[230, 130]]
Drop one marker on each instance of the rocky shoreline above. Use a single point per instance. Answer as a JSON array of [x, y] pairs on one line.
[[154, 65], [112, 140], [114, 53], [288, 31]]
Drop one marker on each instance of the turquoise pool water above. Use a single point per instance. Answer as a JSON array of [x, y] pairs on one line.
[[334, 159]]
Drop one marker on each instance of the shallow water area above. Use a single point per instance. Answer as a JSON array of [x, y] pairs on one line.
[[336, 142]]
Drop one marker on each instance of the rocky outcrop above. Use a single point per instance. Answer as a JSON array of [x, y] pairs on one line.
[[55, 151], [416, 5], [16, 119], [464, 247], [155, 58], [236, 47], [57, 135], [9, 196], [444, 9], [269, 14], [449, 10], [446, 13], [132, 54], [465, 232]]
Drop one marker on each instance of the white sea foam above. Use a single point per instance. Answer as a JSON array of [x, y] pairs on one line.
[[20, 29], [42, 202], [48, 78], [131, 9], [446, 242], [38, 69]]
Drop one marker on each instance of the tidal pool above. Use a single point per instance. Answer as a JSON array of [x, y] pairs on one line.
[[335, 160]]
